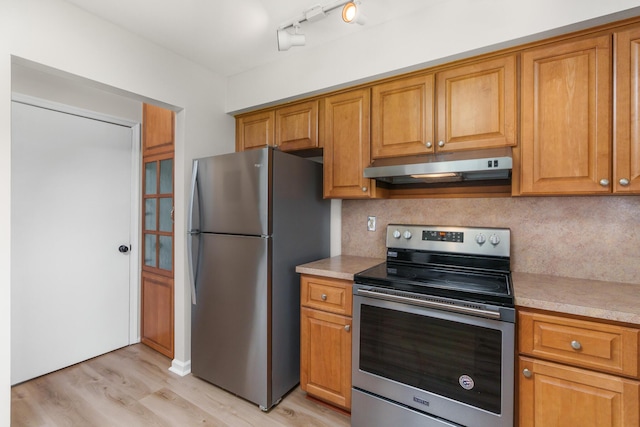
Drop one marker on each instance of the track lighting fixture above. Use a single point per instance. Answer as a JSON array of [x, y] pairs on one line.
[[286, 39], [351, 12]]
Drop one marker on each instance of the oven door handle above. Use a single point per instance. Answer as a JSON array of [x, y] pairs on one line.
[[430, 304]]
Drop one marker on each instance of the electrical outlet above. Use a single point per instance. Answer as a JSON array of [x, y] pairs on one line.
[[371, 223]]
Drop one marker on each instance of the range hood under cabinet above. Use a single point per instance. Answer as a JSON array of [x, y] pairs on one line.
[[489, 164]]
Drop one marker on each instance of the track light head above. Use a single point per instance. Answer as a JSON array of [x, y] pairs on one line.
[[286, 39], [352, 13]]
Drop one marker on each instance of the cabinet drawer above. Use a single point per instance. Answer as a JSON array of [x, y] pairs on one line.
[[333, 295], [590, 344]]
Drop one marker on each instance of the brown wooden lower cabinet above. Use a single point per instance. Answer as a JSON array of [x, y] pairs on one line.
[[576, 371], [555, 395], [325, 339], [157, 313]]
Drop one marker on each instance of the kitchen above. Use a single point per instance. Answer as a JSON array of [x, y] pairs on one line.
[[541, 228]]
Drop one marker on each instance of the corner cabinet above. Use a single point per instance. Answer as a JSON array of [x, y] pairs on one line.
[[325, 339], [347, 145], [290, 128], [576, 372]]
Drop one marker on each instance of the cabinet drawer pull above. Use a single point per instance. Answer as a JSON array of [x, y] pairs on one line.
[[347, 328], [604, 182], [624, 182], [323, 297], [576, 345], [526, 373]]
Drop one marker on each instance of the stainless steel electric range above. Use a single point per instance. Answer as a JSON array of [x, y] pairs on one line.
[[433, 330]]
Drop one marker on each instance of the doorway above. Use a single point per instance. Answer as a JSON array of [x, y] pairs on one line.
[[74, 242]]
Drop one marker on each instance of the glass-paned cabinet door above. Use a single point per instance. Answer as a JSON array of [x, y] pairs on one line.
[[158, 215]]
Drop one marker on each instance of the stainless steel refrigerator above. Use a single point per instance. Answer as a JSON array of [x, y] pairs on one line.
[[254, 216]]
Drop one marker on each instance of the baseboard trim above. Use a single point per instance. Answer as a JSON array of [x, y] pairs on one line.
[[180, 368]]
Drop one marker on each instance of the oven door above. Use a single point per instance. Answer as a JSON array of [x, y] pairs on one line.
[[454, 366]]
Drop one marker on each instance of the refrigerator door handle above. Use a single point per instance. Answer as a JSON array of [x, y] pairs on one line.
[[191, 233]]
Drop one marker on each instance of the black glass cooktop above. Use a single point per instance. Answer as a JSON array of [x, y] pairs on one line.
[[469, 285]]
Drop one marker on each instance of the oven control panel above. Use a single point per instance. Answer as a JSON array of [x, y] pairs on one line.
[[443, 236], [463, 240]]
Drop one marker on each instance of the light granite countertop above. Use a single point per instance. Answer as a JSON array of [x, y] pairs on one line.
[[339, 267], [592, 298]]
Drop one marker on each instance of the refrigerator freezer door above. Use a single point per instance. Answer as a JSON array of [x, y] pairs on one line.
[[232, 193], [230, 326]]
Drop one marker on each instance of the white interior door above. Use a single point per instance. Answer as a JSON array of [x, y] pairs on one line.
[[70, 212]]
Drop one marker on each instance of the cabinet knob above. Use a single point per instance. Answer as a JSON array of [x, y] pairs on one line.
[[323, 297], [441, 144], [527, 373], [429, 144], [347, 328], [604, 182], [576, 345], [624, 182], [364, 189]]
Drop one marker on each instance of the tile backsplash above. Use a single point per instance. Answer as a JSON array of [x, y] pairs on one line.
[[585, 237]]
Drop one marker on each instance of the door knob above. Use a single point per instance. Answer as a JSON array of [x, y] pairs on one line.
[[123, 249]]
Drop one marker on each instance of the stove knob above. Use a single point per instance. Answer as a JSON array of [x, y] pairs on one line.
[[494, 239], [407, 235], [480, 239], [396, 234]]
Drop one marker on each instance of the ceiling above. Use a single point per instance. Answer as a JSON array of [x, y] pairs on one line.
[[232, 36]]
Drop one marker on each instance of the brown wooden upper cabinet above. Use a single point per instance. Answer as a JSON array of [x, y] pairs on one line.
[[346, 145], [290, 128], [571, 107], [566, 118], [475, 106], [402, 117], [297, 126], [255, 130], [626, 124], [158, 130]]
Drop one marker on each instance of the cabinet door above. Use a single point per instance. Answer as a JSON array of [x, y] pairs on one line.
[[347, 145], [402, 117], [297, 126], [255, 130], [626, 142], [476, 105], [566, 119], [553, 395], [325, 356], [157, 313], [158, 130]]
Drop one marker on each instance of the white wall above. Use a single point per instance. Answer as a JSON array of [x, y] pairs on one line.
[[61, 37], [443, 31]]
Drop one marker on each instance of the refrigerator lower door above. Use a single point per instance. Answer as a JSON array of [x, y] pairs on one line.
[[230, 320]]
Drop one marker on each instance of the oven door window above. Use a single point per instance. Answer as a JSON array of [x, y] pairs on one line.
[[451, 359]]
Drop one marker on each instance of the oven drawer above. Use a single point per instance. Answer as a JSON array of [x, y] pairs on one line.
[[589, 344], [332, 295]]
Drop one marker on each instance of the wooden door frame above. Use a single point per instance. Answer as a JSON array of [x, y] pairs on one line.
[[136, 168]]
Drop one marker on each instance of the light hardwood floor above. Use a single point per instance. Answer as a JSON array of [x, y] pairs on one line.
[[133, 387]]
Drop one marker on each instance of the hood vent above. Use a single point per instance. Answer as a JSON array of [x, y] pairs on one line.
[[443, 167]]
